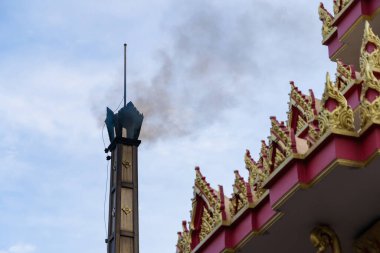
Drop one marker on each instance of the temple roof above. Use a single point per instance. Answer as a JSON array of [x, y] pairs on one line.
[[340, 130]]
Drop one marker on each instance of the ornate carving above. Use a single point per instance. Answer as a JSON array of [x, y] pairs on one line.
[[302, 115], [327, 20], [204, 187], [339, 5], [369, 65], [256, 175], [345, 75], [184, 240], [301, 123], [240, 196], [264, 159], [340, 118], [208, 223], [303, 103], [370, 48], [212, 211], [324, 238], [280, 135]]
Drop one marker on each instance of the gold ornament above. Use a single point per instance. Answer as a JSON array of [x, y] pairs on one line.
[[369, 63], [256, 175], [341, 118], [264, 159], [339, 5], [327, 20], [126, 210], [344, 75], [323, 238], [184, 240], [303, 107], [208, 224], [212, 215], [239, 196]]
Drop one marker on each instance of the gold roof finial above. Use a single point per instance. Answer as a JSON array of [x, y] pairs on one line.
[[327, 20]]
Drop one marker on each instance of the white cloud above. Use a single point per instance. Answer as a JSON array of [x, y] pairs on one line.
[[20, 248]]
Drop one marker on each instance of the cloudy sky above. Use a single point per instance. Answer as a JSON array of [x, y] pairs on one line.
[[206, 74]]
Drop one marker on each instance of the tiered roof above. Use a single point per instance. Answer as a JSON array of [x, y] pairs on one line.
[[311, 123]]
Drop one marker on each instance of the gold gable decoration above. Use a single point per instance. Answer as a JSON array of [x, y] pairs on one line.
[[203, 188], [327, 21], [264, 160], [303, 103], [302, 114], [184, 240], [341, 118], [280, 143], [211, 213], [241, 195], [369, 65], [256, 175]]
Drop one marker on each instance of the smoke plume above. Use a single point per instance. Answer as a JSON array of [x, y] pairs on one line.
[[198, 75], [210, 64]]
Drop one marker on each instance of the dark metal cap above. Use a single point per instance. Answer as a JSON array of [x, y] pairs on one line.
[[128, 118]]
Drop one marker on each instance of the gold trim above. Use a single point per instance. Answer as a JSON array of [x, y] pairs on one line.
[[361, 18], [263, 229], [323, 174], [334, 56], [329, 35], [354, 26], [278, 169], [342, 11], [269, 223], [204, 240], [287, 196], [228, 251], [349, 31]]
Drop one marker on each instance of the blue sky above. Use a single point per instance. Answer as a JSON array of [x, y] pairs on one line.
[[207, 76]]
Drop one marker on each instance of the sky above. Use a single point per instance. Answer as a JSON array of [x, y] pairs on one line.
[[206, 74]]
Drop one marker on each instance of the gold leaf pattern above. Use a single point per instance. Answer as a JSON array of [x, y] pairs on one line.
[[256, 175], [339, 5], [369, 63], [240, 195], [327, 20], [342, 117], [208, 223], [184, 240], [211, 215]]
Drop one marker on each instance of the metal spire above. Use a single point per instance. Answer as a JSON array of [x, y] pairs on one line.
[[125, 74]]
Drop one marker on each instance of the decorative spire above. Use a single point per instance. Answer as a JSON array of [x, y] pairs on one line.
[[128, 121]]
